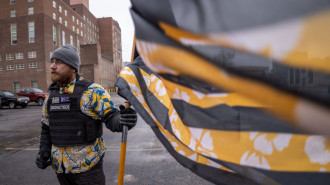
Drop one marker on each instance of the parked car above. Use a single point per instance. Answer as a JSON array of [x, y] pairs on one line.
[[35, 95], [12, 100]]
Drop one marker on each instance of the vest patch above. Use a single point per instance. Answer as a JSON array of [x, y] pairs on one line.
[[60, 107], [65, 99], [56, 100]]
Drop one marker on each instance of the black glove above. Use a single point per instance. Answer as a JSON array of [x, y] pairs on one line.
[[43, 158], [114, 120], [128, 117]]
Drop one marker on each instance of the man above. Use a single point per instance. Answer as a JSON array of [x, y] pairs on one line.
[[73, 112]]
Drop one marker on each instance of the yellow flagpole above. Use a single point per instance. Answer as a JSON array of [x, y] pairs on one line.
[[124, 136]]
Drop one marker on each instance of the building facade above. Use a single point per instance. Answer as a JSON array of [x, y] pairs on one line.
[[31, 29]]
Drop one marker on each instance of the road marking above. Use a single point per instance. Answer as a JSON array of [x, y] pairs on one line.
[[109, 149]]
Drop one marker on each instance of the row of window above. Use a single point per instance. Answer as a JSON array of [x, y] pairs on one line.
[[10, 56], [63, 39], [31, 29], [88, 30], [31, 34], [73, 17], [13, 33], [12, 2], [20, 66], [30, 12]]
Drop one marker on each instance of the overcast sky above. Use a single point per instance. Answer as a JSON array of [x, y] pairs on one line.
[[118, 10]]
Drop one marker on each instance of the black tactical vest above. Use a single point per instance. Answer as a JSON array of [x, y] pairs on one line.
[[68, 125]]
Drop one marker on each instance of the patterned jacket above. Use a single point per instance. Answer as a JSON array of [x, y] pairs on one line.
[[95, 102]]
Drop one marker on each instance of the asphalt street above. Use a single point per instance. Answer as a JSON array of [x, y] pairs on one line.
[[147, 161]]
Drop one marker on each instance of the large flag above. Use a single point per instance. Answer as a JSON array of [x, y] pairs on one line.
[[237, 91]]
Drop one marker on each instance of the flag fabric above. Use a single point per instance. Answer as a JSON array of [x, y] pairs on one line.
[[237, 91]]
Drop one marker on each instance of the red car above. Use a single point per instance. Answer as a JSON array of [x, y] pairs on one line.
[[34, 94]]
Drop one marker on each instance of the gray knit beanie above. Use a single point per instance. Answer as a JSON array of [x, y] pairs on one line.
[[68, 54]]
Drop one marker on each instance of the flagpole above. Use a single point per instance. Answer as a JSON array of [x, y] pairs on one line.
[[124, 136], [123, 151]]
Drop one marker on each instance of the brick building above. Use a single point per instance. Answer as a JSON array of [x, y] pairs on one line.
[[31, 29]]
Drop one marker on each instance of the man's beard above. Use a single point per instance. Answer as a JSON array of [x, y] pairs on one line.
[[64, 77]]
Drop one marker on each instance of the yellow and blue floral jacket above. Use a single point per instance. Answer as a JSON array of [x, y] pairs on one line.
[[95, 102]]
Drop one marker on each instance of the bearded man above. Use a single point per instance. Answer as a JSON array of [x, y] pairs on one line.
[[71, 124]]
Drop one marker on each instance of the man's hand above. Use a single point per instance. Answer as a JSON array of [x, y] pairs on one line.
[[43, 159], [128, 117]]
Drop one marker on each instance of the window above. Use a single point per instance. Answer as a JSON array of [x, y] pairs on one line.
[[54, 35], [33, 65], [29, 1], [78, 45], [25, 90], [73, 18], [78, 22], [9, 56], [13, 13], [34, 84], [65, 13], [63, 38], [17, 87], [60, 19], [60, 8], [66, 23], [0, 68], [82, 33], [54, 4], [54, 16], [20, 66], [32, 54], [71, 40], [19, 56], [31, 32], [12, 2], [30, 11], [81, 24], [10, 67], [77, 30], [73, 28], [13, 28], [85, 18]]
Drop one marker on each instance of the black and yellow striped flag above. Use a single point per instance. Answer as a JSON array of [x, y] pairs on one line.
[[237, 91]]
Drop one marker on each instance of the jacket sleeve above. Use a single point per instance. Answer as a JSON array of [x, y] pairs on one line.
[[112, 121], [45, 140], [44, 117], [96, 102]]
